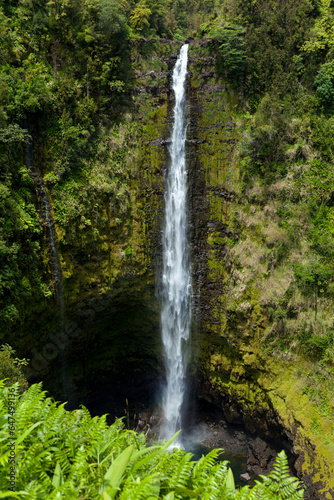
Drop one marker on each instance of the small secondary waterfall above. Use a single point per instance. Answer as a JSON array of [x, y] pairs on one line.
[[57, 274], [56, 269], [55, 265], [176, 279]]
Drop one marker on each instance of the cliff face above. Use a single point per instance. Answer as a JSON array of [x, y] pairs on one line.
[[240, 277], [107, 342]]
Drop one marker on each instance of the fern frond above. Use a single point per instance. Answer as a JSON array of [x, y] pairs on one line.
[[141, 488], [204, 464], [181, 474], [279, 483]]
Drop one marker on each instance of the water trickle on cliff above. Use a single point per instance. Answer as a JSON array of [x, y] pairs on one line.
[[56, 269], [55, 265], [176, 279]]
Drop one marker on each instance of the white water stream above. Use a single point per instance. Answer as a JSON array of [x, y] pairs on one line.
[[176, 279]]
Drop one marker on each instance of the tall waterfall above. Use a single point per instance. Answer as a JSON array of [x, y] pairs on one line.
[[176, 279]]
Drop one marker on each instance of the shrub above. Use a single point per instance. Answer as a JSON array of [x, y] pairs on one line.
[[325, 90], [10, 367]]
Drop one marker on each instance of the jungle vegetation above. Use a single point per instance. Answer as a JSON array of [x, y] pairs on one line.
[[61, 454], [66, 81]]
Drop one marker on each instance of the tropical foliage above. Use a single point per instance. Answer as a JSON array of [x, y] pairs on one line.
[[62, 454]]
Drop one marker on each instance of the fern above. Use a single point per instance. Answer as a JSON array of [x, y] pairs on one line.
[[181, 474], [63, 454], [203, 466], [279, 482], [147, 488]]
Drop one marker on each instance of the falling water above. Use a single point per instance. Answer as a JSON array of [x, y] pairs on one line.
[[56, 269], [57, 274], [176, 279]]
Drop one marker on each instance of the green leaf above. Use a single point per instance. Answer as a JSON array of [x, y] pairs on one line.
[[170, 496], [144, 461], [27, 432], [16, 494], [114, 475], [187, 492], [58, 476], [230, 485], [155, 488]]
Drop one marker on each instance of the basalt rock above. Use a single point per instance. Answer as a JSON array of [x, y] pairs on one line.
[[110, 270]]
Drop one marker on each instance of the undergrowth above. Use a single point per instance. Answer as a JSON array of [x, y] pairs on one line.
[[62, 454]]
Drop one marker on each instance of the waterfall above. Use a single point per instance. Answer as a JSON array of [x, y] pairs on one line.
[[56, 269], [55, 264], [57, 273], [176, 278]]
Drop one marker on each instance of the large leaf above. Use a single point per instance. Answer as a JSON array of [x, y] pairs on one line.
[[230, 485], [169, 496], [114, 475], [57, 476]]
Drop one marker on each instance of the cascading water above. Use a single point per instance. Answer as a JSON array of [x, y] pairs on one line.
[[176, 279], [56, 268]]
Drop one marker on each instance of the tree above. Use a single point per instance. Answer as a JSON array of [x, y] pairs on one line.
[[232, 49], [325, 90], [139, 18], [312, 278], [112, 21], [322, 34]]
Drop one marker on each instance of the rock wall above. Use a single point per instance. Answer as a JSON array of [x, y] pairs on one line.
[[111, 345], [110, 339], [259, 389]]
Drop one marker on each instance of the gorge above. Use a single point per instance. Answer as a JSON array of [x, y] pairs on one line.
[[259, 213]]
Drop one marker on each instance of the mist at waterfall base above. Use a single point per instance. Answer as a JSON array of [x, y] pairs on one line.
[[176, 273]]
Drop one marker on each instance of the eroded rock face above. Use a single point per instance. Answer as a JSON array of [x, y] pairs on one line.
[[280, 426], [260, 456], [109, 266], [114, 275], [251, 385]]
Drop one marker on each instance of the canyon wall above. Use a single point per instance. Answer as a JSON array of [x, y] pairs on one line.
[[110, 259]]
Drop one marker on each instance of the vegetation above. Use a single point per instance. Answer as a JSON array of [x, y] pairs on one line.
[[11, 368], [70, 454], [75, 121]]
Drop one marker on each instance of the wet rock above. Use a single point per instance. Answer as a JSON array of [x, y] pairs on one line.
[[140, 425], [245, 476], [154, 420], [260, 456]]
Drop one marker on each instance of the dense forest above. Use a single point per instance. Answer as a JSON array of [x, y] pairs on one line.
[[84, 105]]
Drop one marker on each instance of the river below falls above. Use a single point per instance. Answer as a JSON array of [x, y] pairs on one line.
[[237, 461], [235, 452]]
